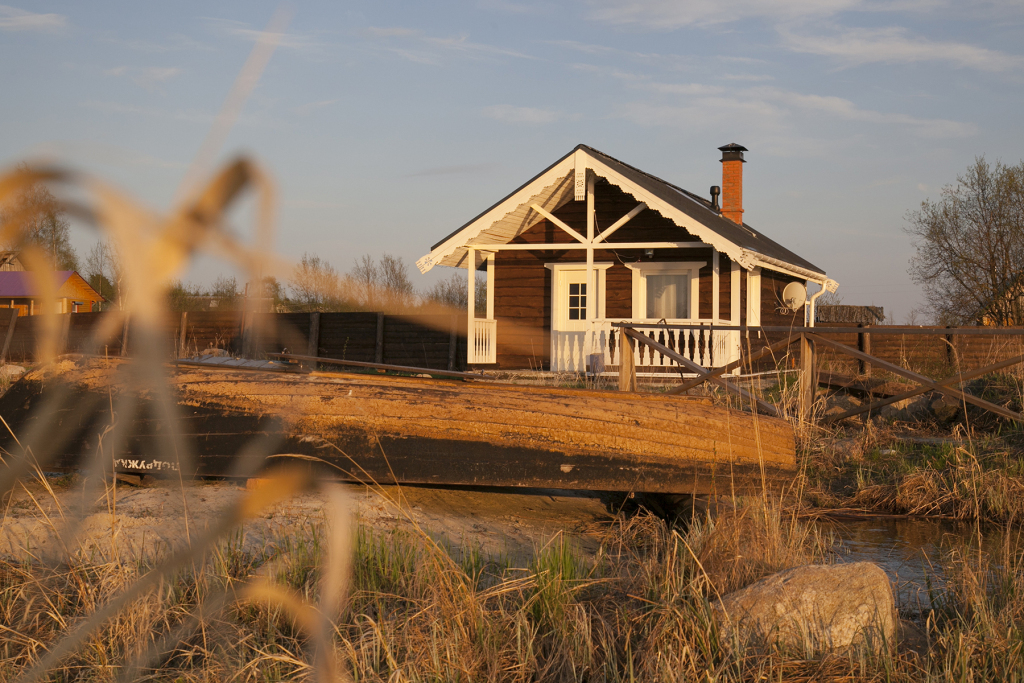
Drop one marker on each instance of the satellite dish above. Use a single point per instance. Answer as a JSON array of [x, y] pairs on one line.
[[794, 296]]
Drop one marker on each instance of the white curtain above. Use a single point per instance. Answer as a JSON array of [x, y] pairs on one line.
[[668, 296]]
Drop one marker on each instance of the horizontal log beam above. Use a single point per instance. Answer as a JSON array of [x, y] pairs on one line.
[[565, 246], [381, 366]]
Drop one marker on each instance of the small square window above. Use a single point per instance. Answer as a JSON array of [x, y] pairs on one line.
[[577, 301]]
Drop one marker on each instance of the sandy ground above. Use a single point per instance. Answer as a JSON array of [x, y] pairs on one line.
[[129, 520]]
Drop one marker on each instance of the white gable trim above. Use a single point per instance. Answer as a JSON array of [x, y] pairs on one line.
[[471, 231], [576, 164]]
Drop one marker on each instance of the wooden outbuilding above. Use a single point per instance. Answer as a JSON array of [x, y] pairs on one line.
[[22, 289], [654, 253]]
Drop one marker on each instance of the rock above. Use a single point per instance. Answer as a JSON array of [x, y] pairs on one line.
[[813, 609], [11, 372], [849, 449]]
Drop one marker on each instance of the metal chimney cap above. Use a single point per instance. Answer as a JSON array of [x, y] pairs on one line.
[[732, 152]]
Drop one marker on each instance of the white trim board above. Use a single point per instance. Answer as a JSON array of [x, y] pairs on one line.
[[643, 268], [567, 175]]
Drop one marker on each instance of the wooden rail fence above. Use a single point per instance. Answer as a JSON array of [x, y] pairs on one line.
[[997, 348]]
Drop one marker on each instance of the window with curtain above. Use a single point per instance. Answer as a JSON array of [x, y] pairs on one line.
[[668, 295]]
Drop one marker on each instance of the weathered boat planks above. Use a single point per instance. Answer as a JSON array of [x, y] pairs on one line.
[[380, 428]]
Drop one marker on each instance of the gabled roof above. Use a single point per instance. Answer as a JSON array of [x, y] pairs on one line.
[[20, 283], [554, 186]]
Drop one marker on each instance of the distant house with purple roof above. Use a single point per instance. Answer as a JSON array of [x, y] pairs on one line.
[[22, 289]]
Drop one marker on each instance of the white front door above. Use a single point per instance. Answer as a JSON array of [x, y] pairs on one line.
[[569, 319]]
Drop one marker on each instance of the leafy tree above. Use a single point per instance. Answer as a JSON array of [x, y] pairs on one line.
[[970, 247]]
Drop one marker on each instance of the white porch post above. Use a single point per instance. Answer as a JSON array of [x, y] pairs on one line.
[[734, 312], [471, 306], [591, 286], [754, 297], [490, 285], [716, 302]]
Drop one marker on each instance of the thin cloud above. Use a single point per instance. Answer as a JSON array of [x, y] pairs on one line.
[[174, 43], [146, 77], [416, 46], [14, 19], [895, 45], [288, 40], [508, 113], [304, 109], [465, 169], [672, 14], [773, 107]]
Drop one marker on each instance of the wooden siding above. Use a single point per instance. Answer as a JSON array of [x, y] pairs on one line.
[[522, 283]]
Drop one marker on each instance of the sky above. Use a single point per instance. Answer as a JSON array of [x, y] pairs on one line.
[[387, 125]]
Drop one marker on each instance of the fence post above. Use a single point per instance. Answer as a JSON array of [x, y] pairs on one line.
[[950, 350], [182, 336], [9, 337], [124, 336], [808, 378], [65, 329], [864, 346], [313, 340], [379, 354], [247, 344], [627, 367], [453, 342]]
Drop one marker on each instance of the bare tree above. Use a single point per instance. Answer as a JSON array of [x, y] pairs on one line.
[[452, 292], [396, 288], [104, 270], [316, 285], [366, 281], [970, 247], [45, 225]]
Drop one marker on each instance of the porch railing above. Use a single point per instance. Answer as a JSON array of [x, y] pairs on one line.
[[704, 345], [482, 347]]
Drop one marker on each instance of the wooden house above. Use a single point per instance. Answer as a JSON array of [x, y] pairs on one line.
[[20, 289], [654, 254]]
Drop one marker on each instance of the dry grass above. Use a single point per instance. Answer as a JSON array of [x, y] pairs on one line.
[[639, 610]]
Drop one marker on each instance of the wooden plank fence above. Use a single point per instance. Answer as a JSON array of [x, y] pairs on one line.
[[427, 341]]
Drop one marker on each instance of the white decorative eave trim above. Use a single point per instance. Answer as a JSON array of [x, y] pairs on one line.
[[473, 230], [751, 259], [573, 167]]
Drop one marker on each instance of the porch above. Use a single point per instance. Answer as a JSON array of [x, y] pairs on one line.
[[597, 350]]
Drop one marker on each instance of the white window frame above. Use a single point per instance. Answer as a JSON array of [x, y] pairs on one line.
[[644, 268], [558, 268]]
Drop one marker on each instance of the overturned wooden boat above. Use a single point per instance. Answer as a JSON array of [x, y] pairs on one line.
[[415, 430]]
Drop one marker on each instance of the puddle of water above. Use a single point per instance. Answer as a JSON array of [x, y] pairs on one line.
[[911, 551]]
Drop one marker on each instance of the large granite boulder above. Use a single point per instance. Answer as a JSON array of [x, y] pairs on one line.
[[812, 609]]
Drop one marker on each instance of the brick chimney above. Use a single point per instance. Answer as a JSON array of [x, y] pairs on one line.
[[732, 182]]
